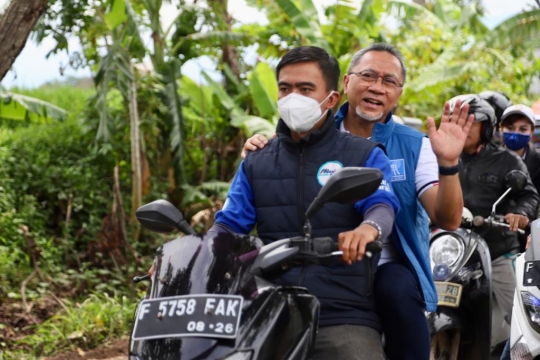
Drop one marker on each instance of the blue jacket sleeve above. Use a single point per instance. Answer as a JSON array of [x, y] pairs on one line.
[[238, 212], [384, 194]]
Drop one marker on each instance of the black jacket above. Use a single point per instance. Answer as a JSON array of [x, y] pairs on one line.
[[532, 160], [482, 178]]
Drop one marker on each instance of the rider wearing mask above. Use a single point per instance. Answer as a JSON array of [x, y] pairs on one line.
[[517, 127], [516, 131], [482, 178]]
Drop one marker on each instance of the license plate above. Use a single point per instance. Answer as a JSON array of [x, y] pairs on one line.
[[531, 273], [449, 294], [215, 316]]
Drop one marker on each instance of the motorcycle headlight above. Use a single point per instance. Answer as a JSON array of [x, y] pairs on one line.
[[532, 309], [447, 249]]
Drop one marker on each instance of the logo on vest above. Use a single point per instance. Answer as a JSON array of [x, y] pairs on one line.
[[385, 186], [326, 170], [397, 166]]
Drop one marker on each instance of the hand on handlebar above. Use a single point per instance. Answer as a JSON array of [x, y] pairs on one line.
[[353, 243], [516, 221]]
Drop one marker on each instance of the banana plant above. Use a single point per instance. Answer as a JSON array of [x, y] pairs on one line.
[[22, 108]]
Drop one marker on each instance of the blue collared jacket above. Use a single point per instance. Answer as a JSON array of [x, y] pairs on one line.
[[411, 230]]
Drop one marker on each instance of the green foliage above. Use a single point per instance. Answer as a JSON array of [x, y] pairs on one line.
[[47, 171], [51, 102], [460, 60], [87, 324], [117, 14], [20, 108]]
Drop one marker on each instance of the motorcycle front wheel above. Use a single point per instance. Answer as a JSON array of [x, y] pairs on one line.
[[445, 345]]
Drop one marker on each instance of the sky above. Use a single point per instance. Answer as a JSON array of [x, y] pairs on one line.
[[31, 69]]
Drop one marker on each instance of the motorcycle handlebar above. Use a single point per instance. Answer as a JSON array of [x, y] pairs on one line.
[[481, 221], [371, 248], [329, 246]]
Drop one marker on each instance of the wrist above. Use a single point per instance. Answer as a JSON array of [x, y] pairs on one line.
[[449, 170], [448, 163], [375, 226]]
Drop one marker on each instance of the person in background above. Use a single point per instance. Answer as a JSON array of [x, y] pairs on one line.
[[517, 130], [482, 178]]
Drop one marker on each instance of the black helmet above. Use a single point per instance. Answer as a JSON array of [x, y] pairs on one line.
[[498, 101], [482, 111]]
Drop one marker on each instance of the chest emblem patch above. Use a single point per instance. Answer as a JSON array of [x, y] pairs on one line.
[[397, 166], [326, 170], [488, 178]]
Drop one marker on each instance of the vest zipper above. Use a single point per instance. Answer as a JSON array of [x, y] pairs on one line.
[[301, 211], [300, 191]]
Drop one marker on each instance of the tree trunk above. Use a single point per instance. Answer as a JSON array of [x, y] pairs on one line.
[[230, 55], [15, 25], [136, 181]]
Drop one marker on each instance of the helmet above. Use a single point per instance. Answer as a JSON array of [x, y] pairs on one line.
[[498, 101], [482, 111]]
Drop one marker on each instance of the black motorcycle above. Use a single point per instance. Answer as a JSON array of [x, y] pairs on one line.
[[212, 296], [468, 323]]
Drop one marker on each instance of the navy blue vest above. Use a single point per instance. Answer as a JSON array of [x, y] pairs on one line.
[[285, 178]]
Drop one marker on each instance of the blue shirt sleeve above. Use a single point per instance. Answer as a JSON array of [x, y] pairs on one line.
[[384, 194], [238, 212]]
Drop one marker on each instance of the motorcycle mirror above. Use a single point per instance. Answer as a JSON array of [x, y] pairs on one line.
[[516, 179], [346, 186], [163, 217]]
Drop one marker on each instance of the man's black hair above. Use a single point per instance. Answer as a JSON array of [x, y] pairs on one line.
[[379, 47], [327, 63]]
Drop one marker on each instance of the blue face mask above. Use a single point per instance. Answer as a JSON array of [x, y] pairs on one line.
[[515, 141]]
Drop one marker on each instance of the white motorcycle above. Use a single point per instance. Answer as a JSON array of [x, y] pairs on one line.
[[525, 328]]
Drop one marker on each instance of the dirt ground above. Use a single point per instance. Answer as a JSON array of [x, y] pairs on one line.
[[18, 322], [117, 350], [15, 322]]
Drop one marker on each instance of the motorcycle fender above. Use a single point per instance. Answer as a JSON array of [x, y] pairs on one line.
[[444, 318]]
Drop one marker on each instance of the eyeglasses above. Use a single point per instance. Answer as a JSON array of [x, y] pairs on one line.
[[369, 78]]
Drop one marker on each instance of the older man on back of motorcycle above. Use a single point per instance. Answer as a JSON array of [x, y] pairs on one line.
[[482, 178]]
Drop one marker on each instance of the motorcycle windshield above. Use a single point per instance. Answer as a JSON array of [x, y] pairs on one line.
[[207, 264]]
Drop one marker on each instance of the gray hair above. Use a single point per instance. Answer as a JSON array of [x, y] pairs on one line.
[[379, 47]]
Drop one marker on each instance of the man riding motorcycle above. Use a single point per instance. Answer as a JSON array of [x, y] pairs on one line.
[[482, 174]]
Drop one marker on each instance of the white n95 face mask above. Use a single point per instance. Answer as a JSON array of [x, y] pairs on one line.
[[300, 112]]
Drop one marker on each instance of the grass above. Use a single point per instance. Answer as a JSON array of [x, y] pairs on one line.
[[83, 325]]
